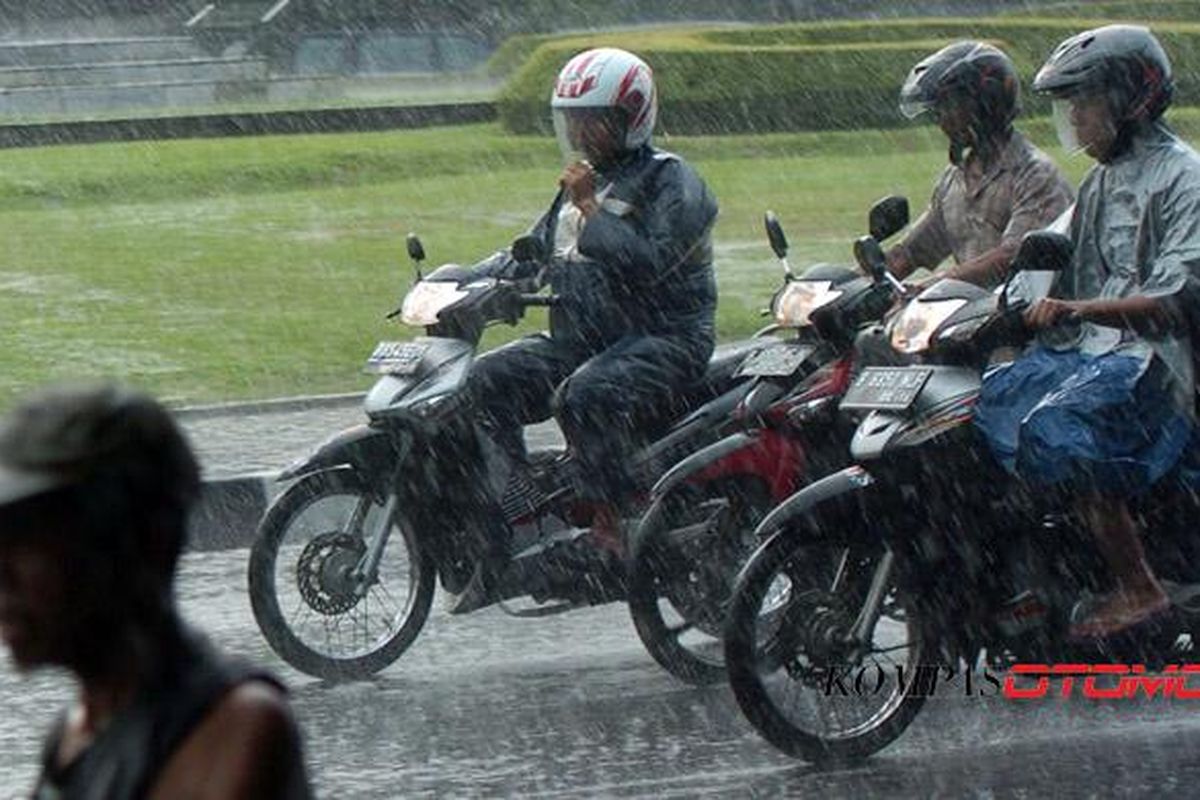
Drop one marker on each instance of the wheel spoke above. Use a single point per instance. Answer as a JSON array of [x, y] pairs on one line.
[[315, 616]]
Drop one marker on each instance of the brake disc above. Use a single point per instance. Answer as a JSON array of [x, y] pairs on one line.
[[324, 572]]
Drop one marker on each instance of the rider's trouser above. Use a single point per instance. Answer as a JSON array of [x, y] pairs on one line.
[[600, 402]]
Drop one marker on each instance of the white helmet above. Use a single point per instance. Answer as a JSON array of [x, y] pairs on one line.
[[606, 79]]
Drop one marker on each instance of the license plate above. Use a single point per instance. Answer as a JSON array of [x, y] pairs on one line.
[[779, 360], [396, 358], [886, 388]]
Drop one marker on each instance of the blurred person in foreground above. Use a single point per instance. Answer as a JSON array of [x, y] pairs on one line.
[[1104, 405], [96, 483]]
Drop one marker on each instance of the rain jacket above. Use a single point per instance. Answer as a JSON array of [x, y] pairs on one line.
[[641, 266], [1136, 230], [1102, 406]]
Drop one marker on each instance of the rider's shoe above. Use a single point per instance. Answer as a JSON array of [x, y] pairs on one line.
[[1105, 616], [606, 531], [475, 595], [601, 567]]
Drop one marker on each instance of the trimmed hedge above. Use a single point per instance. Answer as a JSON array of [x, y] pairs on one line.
[[720, 89], [1183, 10], [806, 76]]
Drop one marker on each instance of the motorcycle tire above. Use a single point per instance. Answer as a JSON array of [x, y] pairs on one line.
[[767, 671], [298, 588], [685, 555]]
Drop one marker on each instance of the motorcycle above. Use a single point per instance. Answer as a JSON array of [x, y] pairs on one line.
[[944, 561], [343, 569], [698, 528]]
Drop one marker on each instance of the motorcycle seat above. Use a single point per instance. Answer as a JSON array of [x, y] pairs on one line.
[[718, 378]]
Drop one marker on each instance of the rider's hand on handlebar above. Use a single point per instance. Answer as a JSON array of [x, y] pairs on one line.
[[579, 182], [1049, 311]]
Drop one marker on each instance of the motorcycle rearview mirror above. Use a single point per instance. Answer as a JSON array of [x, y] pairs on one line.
[[412, 243], [778, 240], [415, 251], [1040, 251], [1044, 251], [887, 216], [775, 234], [869, 255], [529, 248]]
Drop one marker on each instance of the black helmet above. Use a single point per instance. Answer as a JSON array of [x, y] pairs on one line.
[[973, 70], [1125, 61]]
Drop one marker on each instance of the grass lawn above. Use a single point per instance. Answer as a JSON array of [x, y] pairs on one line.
[[216, 270]]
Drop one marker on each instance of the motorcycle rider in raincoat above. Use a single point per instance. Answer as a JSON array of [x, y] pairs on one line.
[[996, 187], [1104, 405], [629, 234]]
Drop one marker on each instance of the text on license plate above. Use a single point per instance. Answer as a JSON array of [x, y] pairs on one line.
[[886, 388], [396, 358], [777, 360]]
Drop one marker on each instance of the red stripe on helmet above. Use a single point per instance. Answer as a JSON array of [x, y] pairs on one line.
[[644, 112], [581, 61], [626, 83]]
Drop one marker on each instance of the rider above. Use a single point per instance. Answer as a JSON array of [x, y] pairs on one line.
[[1104, 404], [631, 261], [997, 186]]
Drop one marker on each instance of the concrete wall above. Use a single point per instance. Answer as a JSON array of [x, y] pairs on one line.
[[92, 51]]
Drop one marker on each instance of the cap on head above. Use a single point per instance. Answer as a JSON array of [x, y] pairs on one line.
[[1126, 62], [121, 441], [609, 78]]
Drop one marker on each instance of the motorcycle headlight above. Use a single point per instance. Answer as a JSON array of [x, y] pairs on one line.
[[915, 325], [425, 300], [797, 301]]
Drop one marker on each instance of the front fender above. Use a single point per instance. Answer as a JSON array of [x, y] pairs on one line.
[[697, 461], [850, 479], [368, 450]]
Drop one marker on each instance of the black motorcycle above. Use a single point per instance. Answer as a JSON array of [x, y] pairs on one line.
[[342, 572], [944, 561], [698, 529]]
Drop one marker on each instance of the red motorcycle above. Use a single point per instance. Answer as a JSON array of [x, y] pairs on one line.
[[698, 528]]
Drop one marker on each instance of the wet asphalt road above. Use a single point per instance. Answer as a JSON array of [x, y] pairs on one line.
[[487, 705]]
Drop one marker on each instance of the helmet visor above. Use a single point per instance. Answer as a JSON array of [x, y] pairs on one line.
[[1084, 122], [588, 133], [1061, 113], [914, 107]]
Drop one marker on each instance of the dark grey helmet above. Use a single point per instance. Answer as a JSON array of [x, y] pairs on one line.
[[974, 70], [1126, 61]]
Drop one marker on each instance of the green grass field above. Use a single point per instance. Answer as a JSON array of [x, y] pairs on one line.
[[216, 270]]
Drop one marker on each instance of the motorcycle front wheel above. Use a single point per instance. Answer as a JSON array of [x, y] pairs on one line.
[[797, 676], [305, 599], [686, 554]]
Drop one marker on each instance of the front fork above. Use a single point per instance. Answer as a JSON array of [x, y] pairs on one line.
[[366, 572], [868, 616]]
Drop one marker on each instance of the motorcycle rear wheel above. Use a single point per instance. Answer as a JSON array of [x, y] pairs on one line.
[[782, 639], [307, 609], [685, 556]]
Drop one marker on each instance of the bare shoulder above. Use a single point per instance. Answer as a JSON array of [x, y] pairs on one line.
[[247, 746], [254, 702]]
